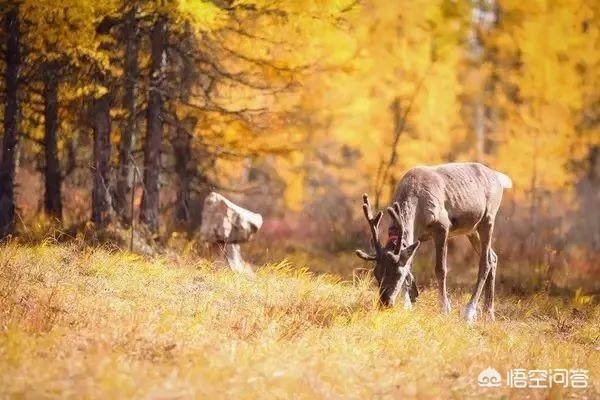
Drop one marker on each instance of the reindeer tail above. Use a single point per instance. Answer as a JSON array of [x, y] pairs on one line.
[[504, 179]]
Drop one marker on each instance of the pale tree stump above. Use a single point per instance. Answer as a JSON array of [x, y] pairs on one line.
[[224, 226]]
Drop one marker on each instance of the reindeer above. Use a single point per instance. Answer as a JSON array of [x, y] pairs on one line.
[[438, 203]]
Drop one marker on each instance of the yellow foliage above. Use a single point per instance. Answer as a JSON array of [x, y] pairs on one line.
[[539, 140], [415, 53], [322, 76], [205, 15]]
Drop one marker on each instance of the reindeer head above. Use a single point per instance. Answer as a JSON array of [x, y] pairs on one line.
[[392, 268]]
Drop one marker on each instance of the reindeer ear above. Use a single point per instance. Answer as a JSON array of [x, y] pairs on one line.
[[365, 256], [408, 252]]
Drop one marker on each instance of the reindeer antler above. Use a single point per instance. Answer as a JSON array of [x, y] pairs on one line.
[[395, 215], [373, 223]]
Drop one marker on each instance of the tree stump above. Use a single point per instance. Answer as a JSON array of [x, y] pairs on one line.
[[225, 225]]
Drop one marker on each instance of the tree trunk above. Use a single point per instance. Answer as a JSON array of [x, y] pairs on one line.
[[484, 17], [9, 143], [479, 128], [181, 140], [182, 152], [101, 195], [128, 133], [52, 174], [152, 146]]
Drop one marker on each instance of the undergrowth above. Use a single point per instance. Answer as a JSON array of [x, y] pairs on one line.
[[89, 322]]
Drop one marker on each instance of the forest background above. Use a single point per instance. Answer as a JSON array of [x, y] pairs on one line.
[[295, 108]]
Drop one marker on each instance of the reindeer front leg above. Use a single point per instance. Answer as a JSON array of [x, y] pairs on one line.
[[441, 249]]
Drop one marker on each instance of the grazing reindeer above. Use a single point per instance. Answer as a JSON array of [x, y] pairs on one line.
[[438, 202]]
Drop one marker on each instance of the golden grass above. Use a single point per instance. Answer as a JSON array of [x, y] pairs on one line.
[[77, 322]]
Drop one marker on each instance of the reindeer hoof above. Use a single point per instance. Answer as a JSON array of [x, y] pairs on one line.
[[446, 309], [470, 314], [407, 302]]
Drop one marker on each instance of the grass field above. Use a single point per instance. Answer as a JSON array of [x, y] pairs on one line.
[[77, 322]]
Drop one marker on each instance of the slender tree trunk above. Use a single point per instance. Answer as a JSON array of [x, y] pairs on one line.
[[52, 174], [181, 140], [181, 143], [152, 146], [398, 122], [534, 205], [476, 53], [101, 195], [484, 17], [128, 133], [479, 128], [11, 110]]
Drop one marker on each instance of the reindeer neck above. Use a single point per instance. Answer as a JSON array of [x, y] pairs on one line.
[[408, 213]]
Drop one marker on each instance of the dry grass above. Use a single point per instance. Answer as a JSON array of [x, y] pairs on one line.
[[91, 323]]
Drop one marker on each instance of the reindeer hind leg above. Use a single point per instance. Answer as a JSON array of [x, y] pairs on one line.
[[490, 284], [485, 230]]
